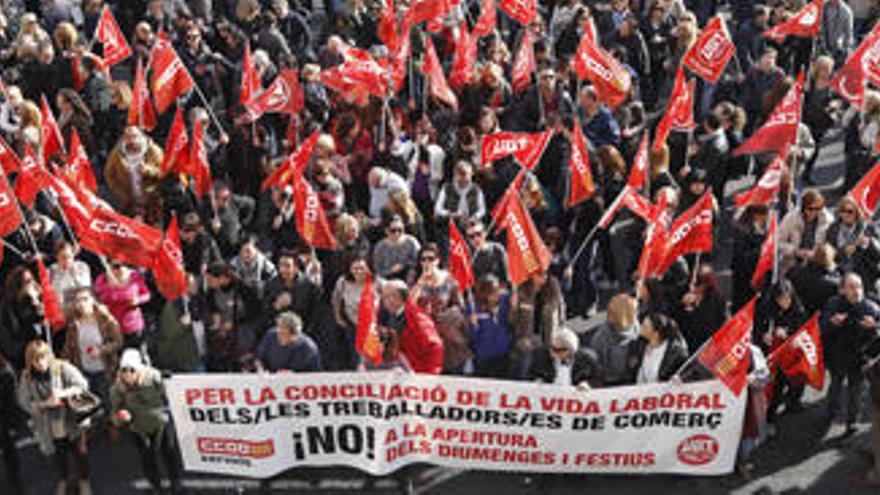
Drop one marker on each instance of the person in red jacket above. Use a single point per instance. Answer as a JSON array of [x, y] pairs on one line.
[[419, 341]]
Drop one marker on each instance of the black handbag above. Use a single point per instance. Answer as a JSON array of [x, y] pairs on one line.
[[84, 406]]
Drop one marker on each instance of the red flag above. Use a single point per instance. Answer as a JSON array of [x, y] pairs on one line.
[[293, 165], [460, 266], [768, 255], [582, 185], [709, 55], [53, 140], [866, 192], [10, 214], [638, 173], [140, 110], [656, 239], [679, 114], [765, 190], [116, 49], [526, 148], [250, 78], [169, 79], [366, 339], [311, 222], [488, 19], [52, 312], [465, 57], [526, 252], [9, 160], [780, 129], [440, 90], [78, 167], [284, 95], [728, 353], [691, 232], [611, 80], [121, 238], [198, 161], [168, 268], [32, 178], [75, 205], [425, 11], [805, 23], [862, 64], [523, 11], [501, 206], [800, 356], [523, 64], [177, 156], [628, 198], [399, 63], [357, 78], [386, 28]]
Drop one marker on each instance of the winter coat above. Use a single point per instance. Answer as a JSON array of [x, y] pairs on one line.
[[842, 342], [110, 335], [51, 423]]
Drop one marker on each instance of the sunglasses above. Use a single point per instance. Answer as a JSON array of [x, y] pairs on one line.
[[429, 258], [558, 349], [813, 208], [395, 230], [475, 234], [847, 212], [127, 370]]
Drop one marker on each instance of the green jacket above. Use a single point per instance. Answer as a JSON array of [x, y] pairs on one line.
[[143, 401], [177, 344]]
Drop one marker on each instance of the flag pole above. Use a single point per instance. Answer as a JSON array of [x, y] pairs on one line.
[[595, 229], [775, 277], [12, 248], [696, 271]]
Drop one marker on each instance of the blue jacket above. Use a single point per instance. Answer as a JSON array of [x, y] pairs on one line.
[[492, 335]]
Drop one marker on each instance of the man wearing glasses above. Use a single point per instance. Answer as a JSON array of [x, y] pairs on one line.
[[488, 257]]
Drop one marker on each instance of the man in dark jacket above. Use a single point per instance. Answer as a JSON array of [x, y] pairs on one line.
[[230, 218], [563, 363], [849, 322]]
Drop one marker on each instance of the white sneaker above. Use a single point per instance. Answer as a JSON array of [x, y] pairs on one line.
[[85, 488]]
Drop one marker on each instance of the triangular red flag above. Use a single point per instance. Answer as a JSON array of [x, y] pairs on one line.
[[691, 232], [140, 110], [198, 161], [116, 49], [386, 28], [610, 78], [10, 214], [764, 191], [168, 268], [399, 63], [862, 65], [32, 178], [169, 79], [9, 160], [284, 95], [465, 57], [800, 356], [366, 339], [582, 185], [425, 11], [52, 312], [75, 207], [501, 206], [679, 114], [526, 148], [728, 354], [53, 140], [523, 11], [460, 266], [250, 78], [438, 86], [121, 238], [767, 259], [177, 153], [709, 55], [638, 173], [866, 192], [294, 165], [656, 239], [311, 221], [523, 64], [78, 168], [805, 23], [488, 19], [526, 252], [630, 199], [780, 129]]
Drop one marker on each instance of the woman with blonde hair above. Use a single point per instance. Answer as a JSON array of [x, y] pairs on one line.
[[611, 340], [30, 128], [46, 383], [857, 241]]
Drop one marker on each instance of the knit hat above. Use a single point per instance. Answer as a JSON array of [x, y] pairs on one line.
[[131, 358]]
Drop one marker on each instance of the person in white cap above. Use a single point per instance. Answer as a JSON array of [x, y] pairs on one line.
[[136, 402]]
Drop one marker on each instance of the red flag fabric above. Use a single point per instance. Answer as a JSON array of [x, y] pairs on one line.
[[399, 63], [198, 161], [862, 64], [53, 140], [293, 165], [488, 19], [359, 75], [366, 339], [121, 238], [311, 222], [169, 79], [523, 11], [765, 190], [679, 114], [526, 148], [425, 11], [866, 192], [78, 167], [691, 232], [501, 206], [140, 110], [582, 185], [284, 95], [9, 160], [460, 266], [250, 78], [800, 356], [10, 214], [523, 64], [116, 49], [168, 268], [768, 255], [465, 57], [526, 252], [709, 55], [52, 312], [177, 155], [780, 129], [638, 173], [611, 80], [628, 198], [76, 208], [656, 239], [32, 178], [728, 353], [805, 23], [386, 28], [439, 89]]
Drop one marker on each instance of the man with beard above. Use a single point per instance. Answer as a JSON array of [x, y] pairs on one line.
[[133, 172]]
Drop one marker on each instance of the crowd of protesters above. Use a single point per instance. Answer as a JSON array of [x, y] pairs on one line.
[[390, 176]]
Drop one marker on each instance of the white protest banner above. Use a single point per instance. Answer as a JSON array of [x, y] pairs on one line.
[[260, 425]]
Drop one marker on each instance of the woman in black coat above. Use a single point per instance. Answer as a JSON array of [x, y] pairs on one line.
[[701, 310], [817, 281], [748, 235], [658, 334]]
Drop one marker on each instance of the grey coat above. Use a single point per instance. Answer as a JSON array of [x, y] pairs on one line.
[[53, 423]]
